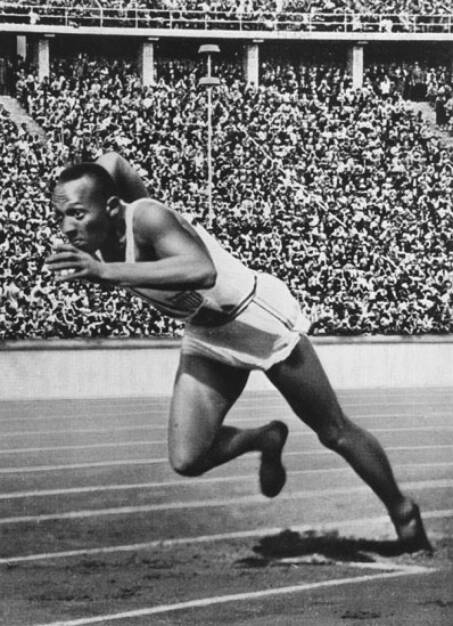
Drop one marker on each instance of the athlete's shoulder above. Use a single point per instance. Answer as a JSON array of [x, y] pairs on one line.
[[151, 217], [150, 209]]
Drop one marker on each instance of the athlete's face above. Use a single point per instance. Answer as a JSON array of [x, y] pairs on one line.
[[82, 212]]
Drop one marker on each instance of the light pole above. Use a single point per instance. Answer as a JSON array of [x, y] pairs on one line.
[[209, 82]]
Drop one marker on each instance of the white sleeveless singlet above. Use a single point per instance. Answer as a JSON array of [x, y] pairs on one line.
[[233, 289]]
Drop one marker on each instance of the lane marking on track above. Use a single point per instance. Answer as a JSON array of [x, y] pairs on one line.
[[233, 422], [363, 397], [164, 460], [248, 394], [387, 448], [89, 446], [257, 405], [72, 466], [375, 416], [359, 524], [199, 504], [196, 482], [409, 570], [162, 402], [141, 442], [72, 431], [77, 416]]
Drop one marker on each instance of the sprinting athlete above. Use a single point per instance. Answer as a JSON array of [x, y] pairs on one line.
[[236, 319]]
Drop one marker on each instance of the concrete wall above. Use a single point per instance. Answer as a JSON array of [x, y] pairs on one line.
[[139, 368], [146, 61], [251, 63], [218, 34], [355, 65]]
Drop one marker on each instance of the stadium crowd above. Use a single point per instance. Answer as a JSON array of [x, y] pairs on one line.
[[418, 82], [250, 6], [333, 15], [341, 193], [31, 304]]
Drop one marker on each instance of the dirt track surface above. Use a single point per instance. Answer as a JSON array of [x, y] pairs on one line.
[[90, 478]]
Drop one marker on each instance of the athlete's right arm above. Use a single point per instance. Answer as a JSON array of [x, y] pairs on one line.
[[179, 260], [130, 186]]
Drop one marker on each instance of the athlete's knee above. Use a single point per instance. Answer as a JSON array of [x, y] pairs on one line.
[[331, 438], [336, 435], [185, 464]]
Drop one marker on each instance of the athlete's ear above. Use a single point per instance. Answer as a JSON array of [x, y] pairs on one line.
[[113, 206]]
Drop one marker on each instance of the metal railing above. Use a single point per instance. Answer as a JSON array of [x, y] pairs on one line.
[[346, 22]]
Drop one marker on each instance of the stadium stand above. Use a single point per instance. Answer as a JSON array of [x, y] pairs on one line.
[[297, 15], [418, 82], [340, 192]]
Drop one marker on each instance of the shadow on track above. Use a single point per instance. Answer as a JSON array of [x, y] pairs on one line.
[[317, 548]]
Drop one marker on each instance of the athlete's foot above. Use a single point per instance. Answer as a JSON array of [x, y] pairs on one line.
[[410, 530], [272, 472]]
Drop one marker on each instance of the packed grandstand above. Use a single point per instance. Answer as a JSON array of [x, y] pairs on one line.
[[403, 16], [250, 7], [344, 193]]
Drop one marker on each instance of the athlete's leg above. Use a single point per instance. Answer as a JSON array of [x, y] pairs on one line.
[[304, 384], [204, 392]]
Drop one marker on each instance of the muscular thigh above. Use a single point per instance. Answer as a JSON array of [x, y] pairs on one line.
[[204, 392], [302, 381]]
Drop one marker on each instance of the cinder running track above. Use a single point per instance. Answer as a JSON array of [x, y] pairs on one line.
[[96, 528]]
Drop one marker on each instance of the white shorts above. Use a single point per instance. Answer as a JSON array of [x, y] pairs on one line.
[[264, 334]]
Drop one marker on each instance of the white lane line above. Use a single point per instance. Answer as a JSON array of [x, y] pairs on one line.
[[366, 395], [73, 431], [414, 570], [232, 422], [360, 525], [120, 444], [72, 466], [199, 504], [362, 396], [258, 405], [114, 444], [412, 415], [197, 482], [439, 397], [164, 460], [77, 416], [387, 448], [249, 394]]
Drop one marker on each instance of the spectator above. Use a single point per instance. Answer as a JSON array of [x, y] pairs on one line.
[[370, 15]]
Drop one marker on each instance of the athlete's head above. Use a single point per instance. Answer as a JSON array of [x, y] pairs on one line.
[[86, 202]]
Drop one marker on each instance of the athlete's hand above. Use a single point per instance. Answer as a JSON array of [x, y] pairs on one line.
[[70, 263]]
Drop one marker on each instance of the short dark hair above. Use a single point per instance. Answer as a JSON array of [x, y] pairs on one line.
[[104, 182]]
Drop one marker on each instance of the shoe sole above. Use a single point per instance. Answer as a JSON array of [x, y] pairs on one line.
[[272, 484]]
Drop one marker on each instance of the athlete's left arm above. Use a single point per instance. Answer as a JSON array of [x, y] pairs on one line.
[[129, 183], [183, 261]]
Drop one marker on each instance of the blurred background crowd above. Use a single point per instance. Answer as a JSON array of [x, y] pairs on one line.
[[344, 194]]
